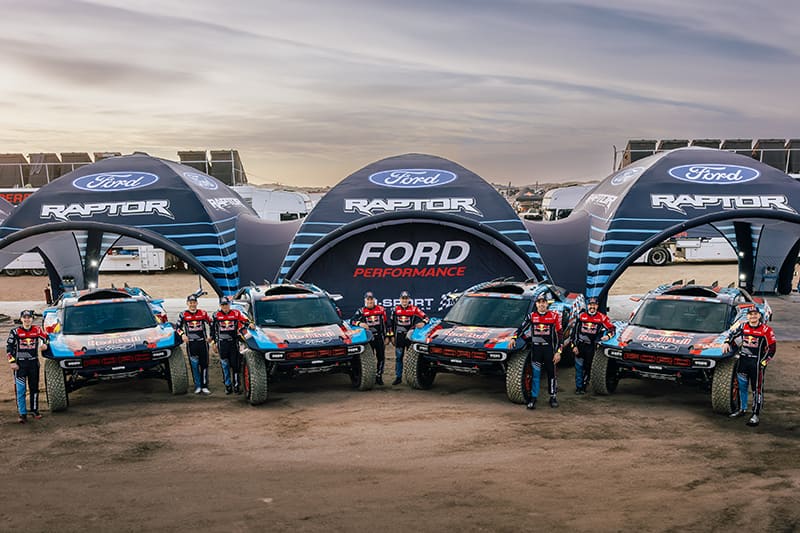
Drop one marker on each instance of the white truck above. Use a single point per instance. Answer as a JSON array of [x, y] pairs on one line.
[[697, 249]]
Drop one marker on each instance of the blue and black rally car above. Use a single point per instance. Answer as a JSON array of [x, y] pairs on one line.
[[676, 333], [487, 331], [108, 334], [296, 329]]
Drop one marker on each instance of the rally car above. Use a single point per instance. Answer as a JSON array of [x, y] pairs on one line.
[[676, 333], [107, 334], [487, 331], [296, 329]]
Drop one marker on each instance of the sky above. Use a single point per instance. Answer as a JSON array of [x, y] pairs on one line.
[[311, 91]]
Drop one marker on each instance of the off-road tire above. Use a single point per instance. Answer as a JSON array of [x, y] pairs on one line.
[[724, 387], [177, 376], [604, 378], [255, 377], [55, 386], [364, 370], [417, 373], [519, 377]]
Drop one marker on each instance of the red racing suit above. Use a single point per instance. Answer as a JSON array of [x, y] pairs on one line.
[[587, 331], [376, 320], [22, 347]]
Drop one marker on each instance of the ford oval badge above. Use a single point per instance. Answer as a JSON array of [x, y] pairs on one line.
[[412, 178], [714, 174], [114, 181]]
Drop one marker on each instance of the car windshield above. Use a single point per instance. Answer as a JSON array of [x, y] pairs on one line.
[[488, 312], [108, 317], [295, 312], [682, 315]]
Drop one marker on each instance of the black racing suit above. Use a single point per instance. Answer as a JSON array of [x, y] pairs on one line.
[[225, 331], [545, 340], [756, 351], [196, 327], [22, 348], [375, 319]]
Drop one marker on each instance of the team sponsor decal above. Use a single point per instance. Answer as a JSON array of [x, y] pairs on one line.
[[306, 334], [626, 175], [314, 341], [114, 181], [412, 178], [114, 347], [201, 180], [64, 212], [224, 204], [672, 337], [714, 174], [364, 206], [660, 346], [603, 201], [410, 260], [680, 202]]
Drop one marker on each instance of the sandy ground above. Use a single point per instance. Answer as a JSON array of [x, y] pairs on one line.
[[321, 457]]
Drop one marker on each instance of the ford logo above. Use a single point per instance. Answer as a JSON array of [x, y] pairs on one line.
[[412, 178], [660, 346], [718, 174], [114, 181], [626, 175], [201, 180]]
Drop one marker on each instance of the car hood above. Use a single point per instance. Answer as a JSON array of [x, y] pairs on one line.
[[446, 334], [637, 338], [268, 338], [161, 336]]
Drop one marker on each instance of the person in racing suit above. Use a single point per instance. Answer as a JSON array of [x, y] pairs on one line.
[[405, 317], [226, 326], [373, 316], [23, 347], [545, 349], [757, 349], [194, 327], [590, 326]]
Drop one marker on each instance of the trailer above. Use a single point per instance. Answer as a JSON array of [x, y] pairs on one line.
[[139, 258], [692, 249]]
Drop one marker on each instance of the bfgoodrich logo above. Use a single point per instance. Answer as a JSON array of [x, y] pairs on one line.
[[412, 178], [714, 174], [114, 181]]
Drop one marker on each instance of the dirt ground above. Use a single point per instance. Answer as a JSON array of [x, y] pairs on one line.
[[321, 457]]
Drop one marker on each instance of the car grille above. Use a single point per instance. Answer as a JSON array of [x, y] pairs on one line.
[[339, 351], [457, 352]]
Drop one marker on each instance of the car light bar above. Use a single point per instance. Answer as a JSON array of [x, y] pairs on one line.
[[497, 356], [421, 348], [338, 351], [456, 352], [612, 352], [160, 354], [276, 356], [355, 349], [657, 359]]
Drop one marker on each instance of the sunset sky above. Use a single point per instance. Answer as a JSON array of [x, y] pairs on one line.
[[309, 92]]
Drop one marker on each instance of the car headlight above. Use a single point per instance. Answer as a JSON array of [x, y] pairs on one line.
[[160, 354], [496, 356], [276, 356], [613, 352], [355, 349], [421, 348]]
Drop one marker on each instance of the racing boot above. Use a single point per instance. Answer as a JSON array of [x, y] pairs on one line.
[[379, 380], [531, 404], [396, 381], [36, 414], [228, 389], [753, 420], [23, 419], [737, 414], [579, 391], [553, 401]]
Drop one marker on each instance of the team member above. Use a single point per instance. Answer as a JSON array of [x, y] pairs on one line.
[[225, 329], [373, 316], [545, 349], [404, 318], [194, 328], [24, 345], [591, 326], [757, 349]]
